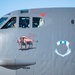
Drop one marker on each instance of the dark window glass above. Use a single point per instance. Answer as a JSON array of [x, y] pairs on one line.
[[10, 24], [24, 22], [24, 11], [72, 21], [2, 20], [37, 22]]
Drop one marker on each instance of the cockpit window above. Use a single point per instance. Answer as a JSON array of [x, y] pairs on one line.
[[24, 22], [10, 24], [37, 22], [2, 20]]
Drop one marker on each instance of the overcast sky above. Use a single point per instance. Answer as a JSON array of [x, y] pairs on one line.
[[7, 6]]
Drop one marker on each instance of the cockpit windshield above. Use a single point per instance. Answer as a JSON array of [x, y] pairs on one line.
[[2, 20], [24, 22], [37, 22]]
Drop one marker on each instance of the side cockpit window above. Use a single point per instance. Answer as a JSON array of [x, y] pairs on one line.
[[10, 24], [24, 22], [2, 20], [37, 22]]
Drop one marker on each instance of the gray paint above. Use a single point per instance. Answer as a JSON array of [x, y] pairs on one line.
[[57, 27]]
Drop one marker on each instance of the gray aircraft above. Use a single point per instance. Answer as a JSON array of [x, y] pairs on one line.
[[38, 42]]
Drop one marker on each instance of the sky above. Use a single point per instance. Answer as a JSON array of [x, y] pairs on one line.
[[7, 6]]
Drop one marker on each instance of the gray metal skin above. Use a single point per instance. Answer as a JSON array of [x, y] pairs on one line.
[[57, 27]]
